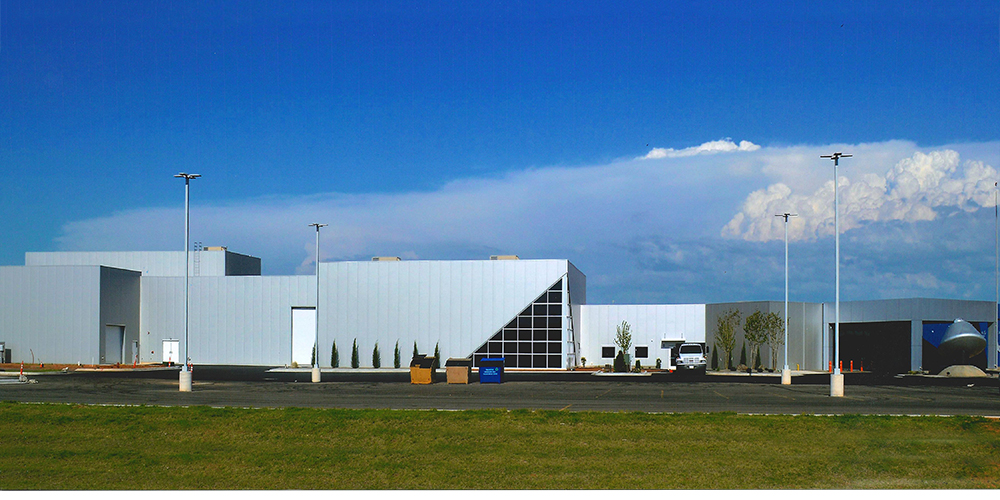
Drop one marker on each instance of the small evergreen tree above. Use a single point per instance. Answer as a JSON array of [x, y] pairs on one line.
[[312, 360], [395, 356], [355, 359], [715, 359], [376, 357], [757, 364], [743, 354], [334, 356], [638, 366], [437, 356], [620, 365], [415, 351]]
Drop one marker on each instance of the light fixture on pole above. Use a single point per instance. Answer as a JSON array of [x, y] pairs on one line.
[[836, 378], [185, 375], [315, 368], [786, 374]]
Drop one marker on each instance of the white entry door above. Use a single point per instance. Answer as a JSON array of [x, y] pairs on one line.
[[303, 334]]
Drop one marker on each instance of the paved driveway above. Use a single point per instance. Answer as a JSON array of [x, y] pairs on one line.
[[713, 394]]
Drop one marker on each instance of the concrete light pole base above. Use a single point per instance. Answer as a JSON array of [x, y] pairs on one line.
[[315, 374], [837, 385], [786, 376], [185, 381]]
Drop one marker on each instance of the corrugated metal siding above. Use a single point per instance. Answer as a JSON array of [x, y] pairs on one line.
[[171, 263], [120, 296], [649, 325], [457, 303], [805, 332], [243, 320], [241, 265], [53, 312]]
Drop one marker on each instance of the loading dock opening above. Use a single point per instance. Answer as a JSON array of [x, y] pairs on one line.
[[882, 347]]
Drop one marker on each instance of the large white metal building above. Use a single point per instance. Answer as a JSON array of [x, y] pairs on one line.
[[125, 307]]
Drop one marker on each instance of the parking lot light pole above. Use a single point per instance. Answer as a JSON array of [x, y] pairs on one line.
[[836, 378], [315, 369], [185, 375], [786, 374]]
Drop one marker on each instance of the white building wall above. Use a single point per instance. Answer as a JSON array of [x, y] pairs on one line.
[[239, 320], [166, 263], [459, 304], [51, 314], [649, 324]]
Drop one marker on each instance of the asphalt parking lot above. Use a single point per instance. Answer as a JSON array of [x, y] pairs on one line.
[[257, 387]]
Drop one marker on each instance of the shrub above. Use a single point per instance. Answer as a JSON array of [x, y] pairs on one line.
[[395, 356], [638, 366], [658, 363], [743, 356], [583, 361], [757, 364], [355, 360], [437, 356], [334, 356], [415, 351], [715, 359], [620, 365], [312, 359], [376, 357]]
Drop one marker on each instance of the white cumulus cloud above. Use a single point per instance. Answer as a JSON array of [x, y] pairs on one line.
[[910, 191], [711, 147]]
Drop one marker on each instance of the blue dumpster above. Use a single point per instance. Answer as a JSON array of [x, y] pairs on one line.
[[491, 371]]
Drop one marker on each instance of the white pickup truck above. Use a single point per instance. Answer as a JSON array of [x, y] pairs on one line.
[[691, 358]]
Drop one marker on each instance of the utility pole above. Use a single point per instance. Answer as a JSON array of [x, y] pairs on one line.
[[837, 378], [786, 374], [315, 368], [184, 381]]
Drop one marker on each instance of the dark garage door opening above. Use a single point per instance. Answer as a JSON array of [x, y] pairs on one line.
[[882, 347]]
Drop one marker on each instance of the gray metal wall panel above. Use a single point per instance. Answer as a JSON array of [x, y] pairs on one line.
[[164, 263], [51, 312], [804, 332], [119, 297], [429, 302], [243, 320], [241, 265]]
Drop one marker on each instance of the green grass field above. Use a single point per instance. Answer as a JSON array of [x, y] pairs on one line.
[[100, 447]]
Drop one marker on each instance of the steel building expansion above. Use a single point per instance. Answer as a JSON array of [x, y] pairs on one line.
[[125, 307]]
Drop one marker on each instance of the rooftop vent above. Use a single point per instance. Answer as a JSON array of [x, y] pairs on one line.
[[216, 249], [504, 257], [385, 259]]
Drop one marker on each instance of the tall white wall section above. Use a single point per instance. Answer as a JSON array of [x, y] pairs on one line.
[[239, 320], [650, 326], [457, 304], [51, 314]]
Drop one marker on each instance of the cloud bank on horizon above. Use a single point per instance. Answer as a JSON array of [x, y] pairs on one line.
[[689, 225]]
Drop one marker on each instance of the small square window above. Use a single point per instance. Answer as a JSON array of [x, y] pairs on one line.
[[607, 351], [641, 352]]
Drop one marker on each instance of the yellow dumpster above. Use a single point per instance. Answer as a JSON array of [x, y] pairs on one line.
[[422, 369]]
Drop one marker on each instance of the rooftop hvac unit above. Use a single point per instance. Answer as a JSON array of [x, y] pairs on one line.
[[216, 249], [385, 259], [504, 257]]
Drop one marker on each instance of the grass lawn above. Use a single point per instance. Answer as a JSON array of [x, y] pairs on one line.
[[101, 447]]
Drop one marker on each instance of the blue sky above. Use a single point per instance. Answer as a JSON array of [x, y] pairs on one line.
[[547, 130]]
